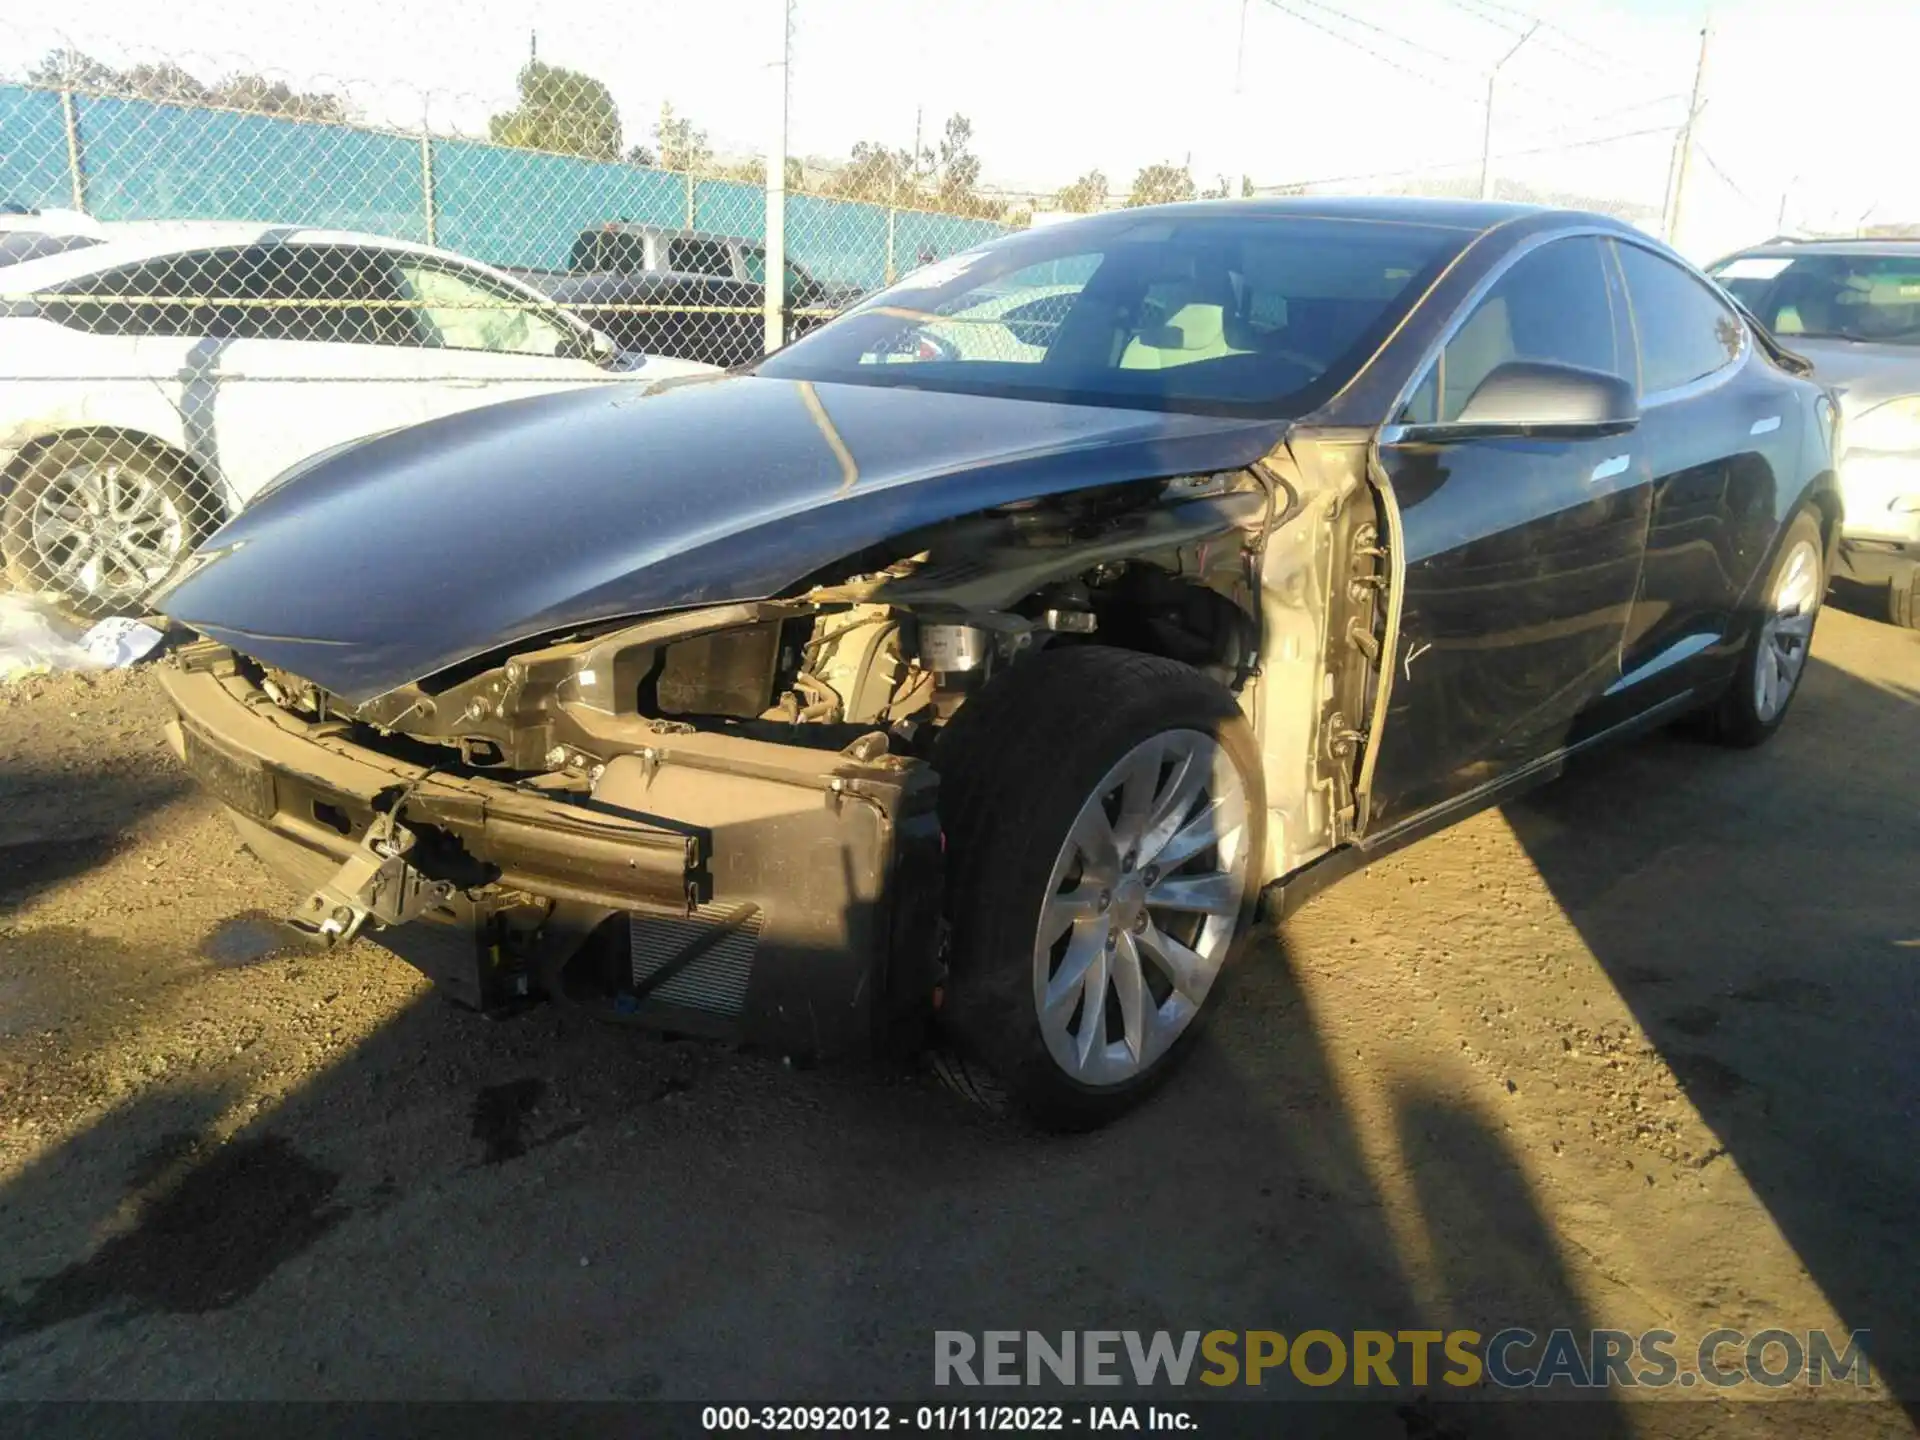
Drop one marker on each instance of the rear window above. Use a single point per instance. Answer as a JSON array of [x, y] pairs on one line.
[[602, 252], [700, 257], [1871, 298], [1231, 314], [21, 245]]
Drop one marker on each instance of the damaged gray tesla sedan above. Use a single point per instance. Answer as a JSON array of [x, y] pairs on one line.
[[983, 658]]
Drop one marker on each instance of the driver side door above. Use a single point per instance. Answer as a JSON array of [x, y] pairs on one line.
[[1522, 554]]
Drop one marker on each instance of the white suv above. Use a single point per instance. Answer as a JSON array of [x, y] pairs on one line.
[[155, 376]]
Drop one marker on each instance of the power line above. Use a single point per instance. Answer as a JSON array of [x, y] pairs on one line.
[[1473, 160], [1389, 34], [1613, 61], [1714, 165], [1386, 60]]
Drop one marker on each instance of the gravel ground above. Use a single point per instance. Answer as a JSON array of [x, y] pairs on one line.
[[1638, 1051]]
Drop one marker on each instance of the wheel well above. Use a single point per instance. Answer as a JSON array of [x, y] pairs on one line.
[[196, 473], [1149, 610], [1825, 499]]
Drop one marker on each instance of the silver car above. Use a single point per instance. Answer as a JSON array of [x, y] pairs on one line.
[[1852, 307]]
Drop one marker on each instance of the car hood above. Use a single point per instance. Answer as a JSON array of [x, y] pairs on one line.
[[1862, 375], [396, 558]]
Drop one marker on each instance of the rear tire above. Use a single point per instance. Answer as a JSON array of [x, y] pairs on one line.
[[98, 522], [1103, 814], [1778, 640], [1903, 599]]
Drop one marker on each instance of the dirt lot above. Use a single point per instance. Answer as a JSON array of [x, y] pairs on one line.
[[1636, 1052]]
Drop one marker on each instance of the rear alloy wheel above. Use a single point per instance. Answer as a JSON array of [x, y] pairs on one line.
[[1775, 657], [1102, 852], [99, 524]]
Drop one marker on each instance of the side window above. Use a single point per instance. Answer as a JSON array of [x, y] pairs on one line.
[[315, 294], [461, 310], [1683, 330], [158, 297], [754, 261], [700, 257], [1553, 305]]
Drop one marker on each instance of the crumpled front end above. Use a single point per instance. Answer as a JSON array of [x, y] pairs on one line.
[[721, 819], [701, 883]]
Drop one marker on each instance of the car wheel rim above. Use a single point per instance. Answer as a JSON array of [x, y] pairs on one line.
[[104, 532], [1141, 907], [1787, 631]]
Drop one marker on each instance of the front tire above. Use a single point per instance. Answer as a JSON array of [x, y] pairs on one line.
[[1778, 641], [99, 522], [1104, 820]]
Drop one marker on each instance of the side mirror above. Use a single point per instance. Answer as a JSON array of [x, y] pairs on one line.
[[1537, 397], [604, 351]]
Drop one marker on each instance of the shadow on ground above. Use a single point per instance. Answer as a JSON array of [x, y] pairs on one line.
[[1766, 936]]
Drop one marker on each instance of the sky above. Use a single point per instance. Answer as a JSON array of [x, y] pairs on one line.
[[1804, 104]]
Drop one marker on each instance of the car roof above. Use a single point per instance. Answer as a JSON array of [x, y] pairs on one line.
[[1785, 249], [1442, 211], [128, 242]]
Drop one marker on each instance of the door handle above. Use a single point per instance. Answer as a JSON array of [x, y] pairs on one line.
[[1607, 469]]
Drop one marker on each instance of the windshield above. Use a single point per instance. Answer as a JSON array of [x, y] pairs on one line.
[[1220, 314], [1870, 298]]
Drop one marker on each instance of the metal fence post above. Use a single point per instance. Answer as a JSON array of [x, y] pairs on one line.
[[426, 186], [76, 169], [776, 286], [892, 216], [692, 206]]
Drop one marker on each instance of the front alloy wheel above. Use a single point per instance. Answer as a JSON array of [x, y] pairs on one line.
[[1143, 902], [1103, 813]]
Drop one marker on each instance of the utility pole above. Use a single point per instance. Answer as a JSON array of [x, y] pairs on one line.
[[1238, 120], [1486, 137], [776, 281], [1685, 160]]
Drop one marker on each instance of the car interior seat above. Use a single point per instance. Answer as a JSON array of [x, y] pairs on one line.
[[1198, 313]]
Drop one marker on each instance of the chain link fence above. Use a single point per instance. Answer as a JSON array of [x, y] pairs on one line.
[[235, 267], [218, 271]]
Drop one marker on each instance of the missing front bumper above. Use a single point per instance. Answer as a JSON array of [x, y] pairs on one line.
[[835, 860]]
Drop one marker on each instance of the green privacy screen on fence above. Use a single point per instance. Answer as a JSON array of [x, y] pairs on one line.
[[146, 160]]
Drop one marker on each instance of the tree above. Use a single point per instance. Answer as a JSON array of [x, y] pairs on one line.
[[1083, 196], [683, 146], [876, 173], [71, 69], [276, 97], [75, 70], [1161, 185], [560, 110], [165, 81]]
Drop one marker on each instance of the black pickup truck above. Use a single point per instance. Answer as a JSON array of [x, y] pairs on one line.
[[681, 292]]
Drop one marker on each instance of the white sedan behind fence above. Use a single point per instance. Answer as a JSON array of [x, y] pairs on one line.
[[158, 375]]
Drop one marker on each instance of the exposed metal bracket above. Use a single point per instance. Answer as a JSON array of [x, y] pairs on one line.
[[377, 883]]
